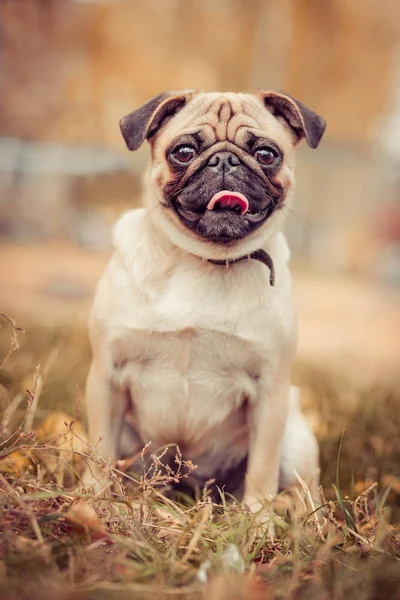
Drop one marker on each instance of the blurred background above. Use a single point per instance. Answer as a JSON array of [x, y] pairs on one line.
[[70, 69]]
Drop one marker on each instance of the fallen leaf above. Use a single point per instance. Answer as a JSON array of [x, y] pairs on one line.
[[393, 482], [84, 519], [16, 463], [55, 431]]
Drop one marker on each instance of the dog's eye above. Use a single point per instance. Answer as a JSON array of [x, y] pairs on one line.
[[184, 154], [266, 156]]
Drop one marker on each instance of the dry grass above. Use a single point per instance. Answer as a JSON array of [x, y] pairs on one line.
[[57, 542]]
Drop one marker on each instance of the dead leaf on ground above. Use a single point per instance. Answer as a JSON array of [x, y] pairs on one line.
[[16, 463], [84, 519], [55, 431]]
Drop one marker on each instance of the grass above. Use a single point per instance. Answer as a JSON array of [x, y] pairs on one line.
[[59, 542]]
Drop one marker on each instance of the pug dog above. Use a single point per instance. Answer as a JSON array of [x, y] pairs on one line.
[[192, 328]]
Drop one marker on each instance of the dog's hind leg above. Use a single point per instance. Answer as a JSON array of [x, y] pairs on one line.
[[299, 450]]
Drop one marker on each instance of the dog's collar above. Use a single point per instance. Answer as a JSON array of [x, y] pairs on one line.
[[260, 255]]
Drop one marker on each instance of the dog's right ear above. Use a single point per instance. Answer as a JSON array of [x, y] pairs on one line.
[[143, 122]]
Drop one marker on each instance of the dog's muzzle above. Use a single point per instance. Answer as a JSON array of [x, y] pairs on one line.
[[222, 199]]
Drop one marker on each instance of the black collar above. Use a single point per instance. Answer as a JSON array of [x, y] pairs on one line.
[[260, 255]]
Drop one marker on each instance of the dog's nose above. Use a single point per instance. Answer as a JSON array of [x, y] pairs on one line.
[[223, 162]]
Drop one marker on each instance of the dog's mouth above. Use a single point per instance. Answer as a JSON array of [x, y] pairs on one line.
[[225, 203], [226, 200]]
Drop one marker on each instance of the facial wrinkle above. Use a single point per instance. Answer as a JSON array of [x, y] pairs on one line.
[[224, 114], [235, 124]]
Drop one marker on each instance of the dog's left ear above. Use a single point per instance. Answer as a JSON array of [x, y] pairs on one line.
[[143, 122], [304, 121]]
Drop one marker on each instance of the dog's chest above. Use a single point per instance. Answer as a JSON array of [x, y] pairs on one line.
[[192, 359], [184, 383]]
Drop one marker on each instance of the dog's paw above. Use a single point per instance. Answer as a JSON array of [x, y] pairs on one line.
[[263, 517], [265, 525]]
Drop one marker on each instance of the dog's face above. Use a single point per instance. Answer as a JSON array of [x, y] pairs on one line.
[[222, 163]]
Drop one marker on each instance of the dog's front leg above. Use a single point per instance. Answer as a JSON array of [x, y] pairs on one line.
[[267, 419], [105, 405]]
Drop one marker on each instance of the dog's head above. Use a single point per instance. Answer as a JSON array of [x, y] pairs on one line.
[[222, 165]]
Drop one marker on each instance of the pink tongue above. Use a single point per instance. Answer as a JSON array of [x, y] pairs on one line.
[[227, 199]]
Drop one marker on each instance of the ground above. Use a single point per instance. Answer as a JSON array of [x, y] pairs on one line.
[[58, 542]]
